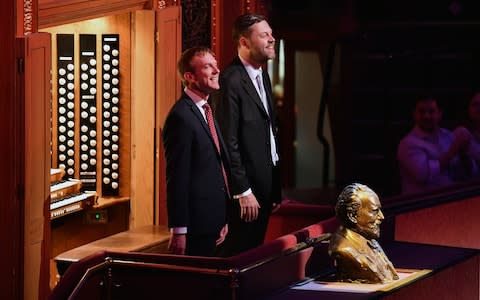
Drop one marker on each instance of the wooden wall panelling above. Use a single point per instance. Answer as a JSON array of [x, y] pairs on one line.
[[73, 231], [11, 173], [58, 12], [143, 118], [168, 89], [430, 226], [36, 85], [224, 13]]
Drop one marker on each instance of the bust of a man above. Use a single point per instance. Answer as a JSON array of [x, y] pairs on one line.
[[357, 255]]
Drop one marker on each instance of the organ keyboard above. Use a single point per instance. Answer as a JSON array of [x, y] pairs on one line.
[[71, 204], [56, 174], [65, 195], [63, 188]]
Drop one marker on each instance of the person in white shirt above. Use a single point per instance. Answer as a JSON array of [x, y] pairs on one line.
[[197, 184], [430, 156], [247, 118]]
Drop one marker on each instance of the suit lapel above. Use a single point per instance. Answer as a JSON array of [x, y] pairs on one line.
[[250, 88], [204, 124]]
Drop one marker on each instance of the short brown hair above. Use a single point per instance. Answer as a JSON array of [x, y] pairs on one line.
[[242, 24], [185, 62]]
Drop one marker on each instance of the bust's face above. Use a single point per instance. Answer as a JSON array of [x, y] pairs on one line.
[[369, 215]]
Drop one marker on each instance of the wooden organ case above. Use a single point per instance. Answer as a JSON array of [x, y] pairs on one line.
[[113, 81], [150, 42]]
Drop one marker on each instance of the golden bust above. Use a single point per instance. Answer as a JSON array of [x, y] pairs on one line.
[[357, 255]]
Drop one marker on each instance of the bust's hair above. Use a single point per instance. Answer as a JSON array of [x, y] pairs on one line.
[[349, 202]]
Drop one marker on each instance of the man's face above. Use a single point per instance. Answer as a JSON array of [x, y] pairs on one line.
[[204, 77], [261, 42], [427, 115], [369, 216]]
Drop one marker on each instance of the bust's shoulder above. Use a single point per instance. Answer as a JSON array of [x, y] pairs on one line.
[[341, 243]]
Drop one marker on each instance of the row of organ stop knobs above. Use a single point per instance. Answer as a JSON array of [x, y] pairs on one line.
[[108, 110]]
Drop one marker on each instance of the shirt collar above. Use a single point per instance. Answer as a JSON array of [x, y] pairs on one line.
[[424, 135], [199, 101], [252, 72]]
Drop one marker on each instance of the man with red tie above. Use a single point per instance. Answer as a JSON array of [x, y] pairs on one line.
[[197, 182]]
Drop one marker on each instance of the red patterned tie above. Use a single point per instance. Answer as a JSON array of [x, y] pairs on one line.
[[213, 131]]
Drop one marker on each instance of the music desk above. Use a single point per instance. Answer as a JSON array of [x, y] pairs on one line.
[[436, 272], [149, 238]]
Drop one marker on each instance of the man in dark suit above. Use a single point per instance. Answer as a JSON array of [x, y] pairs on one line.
[[246, 116], [197, 184]]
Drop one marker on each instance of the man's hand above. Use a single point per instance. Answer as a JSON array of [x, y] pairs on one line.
[[177, 244], [248, 207], [462, 139], [459, 146], [223, 234]]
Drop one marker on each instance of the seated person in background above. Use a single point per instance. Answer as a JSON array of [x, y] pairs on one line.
[[357, 255], [430, 156], [472, 129]]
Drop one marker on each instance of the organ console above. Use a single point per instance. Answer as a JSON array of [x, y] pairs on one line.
[[66, 196], [108, 104]]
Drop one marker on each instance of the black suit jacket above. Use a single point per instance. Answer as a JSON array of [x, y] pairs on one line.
[[246, 128], [196, 194]]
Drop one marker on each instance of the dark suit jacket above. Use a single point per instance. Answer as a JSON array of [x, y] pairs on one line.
[[246, 128], [196, 194]]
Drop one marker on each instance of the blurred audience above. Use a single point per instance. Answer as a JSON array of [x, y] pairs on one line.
[[472, 129], [430, 156]]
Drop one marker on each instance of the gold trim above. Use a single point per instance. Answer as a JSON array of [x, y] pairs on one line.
[[415, 274], [27, 16]]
